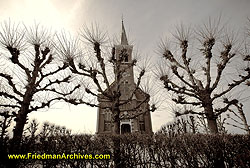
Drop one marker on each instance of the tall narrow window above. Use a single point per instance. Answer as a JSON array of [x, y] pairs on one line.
[[126, 87], [141, 123], [107, 121], [126, 58]]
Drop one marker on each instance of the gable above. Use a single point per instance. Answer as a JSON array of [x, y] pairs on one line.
[[139, 94]]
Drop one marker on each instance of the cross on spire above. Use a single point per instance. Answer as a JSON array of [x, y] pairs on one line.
[[124, 40]]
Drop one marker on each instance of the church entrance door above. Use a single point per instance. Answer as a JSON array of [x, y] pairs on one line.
[[125, 128]]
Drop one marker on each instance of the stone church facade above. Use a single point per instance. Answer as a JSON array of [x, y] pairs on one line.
[[141, 123]]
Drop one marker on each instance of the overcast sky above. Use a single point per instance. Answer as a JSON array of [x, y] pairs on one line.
[[145, 21]]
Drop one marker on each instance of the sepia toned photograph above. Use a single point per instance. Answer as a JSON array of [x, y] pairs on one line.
[[124, 84]]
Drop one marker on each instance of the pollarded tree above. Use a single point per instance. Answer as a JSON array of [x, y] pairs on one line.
[[200, 79], [107, 86], [181, 125], [31, 73], [239, 118]]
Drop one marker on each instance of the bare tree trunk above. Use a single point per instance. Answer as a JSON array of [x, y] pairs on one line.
[[192, 124], [18, 131], [117, 150], [212, 125], [17, 137], [20, 123], [21, 119], [116, 123], [117, 153], [211, 118]]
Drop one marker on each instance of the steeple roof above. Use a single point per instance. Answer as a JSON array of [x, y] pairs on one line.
[[124, 40]]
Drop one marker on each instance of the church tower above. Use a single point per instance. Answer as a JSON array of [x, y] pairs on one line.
[[141, 123]]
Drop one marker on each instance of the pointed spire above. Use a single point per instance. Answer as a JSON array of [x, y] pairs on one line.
[[124, 40]]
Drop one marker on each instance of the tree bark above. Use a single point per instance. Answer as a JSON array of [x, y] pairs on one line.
[[211, 118], [212, 125], [18, 131], [17, 137], [117, 150], [20, 123], [21, 119]]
